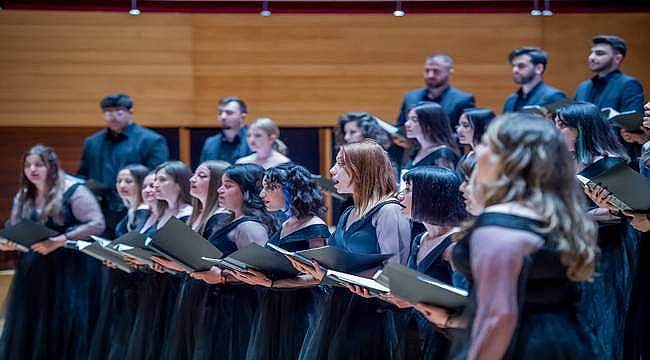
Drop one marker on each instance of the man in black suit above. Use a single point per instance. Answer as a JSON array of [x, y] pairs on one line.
[[610, 87], [528, 66], [437, 70], [230, 144], [123, 142]]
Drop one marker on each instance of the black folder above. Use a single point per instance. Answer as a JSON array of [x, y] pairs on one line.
[[416, 287], [27, 233], [545, 109], [179, 243], [327, 185], [256, 257], [628, 120], [132, 244], [99, 250], [630, 190], [334, 258]]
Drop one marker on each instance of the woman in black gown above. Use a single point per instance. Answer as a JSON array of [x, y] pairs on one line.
[[524, 254], [207, 217], [431, 195], [229, 306], [351, 326], [287, 306], [605, 300], [159, 288], [118, 304], [47, 314]]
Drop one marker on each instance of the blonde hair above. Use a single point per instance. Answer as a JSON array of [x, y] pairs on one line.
[[372, 174], [536, 170], [271, 129]]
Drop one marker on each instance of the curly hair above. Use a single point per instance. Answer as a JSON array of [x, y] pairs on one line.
[[368, 125], [302, 194], [528, 146]]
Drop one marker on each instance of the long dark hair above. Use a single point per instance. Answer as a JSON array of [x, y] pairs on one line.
[[249, 179], [55, 182], [435, 124], [479, 119], [138, 173], [595, 136]]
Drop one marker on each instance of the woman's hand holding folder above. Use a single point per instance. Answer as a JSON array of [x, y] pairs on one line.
[[6, 245], [315, 270], [167, 263], [47, 246], [252, 277], [213, 276]]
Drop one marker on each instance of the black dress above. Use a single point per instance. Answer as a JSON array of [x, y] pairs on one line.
[[547, 324], [419, 339], [156, 294], [347, 326], [226, 312], [179, 342], [443, 157], [118, 303], [47, 314], [284, 315]]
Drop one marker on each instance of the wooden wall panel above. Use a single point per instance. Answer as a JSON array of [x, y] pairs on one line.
[[56, 66], [302, 70]]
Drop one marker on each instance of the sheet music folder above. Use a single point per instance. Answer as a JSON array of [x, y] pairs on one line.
[[178, 242], [100, 251], [27, 233], [132, 244], [628, 120], [630, 190], [333, 258], [416, 287], [257, 258]]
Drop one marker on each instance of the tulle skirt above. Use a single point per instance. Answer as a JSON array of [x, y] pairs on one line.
[[225, 321], [47, 314], [156, 296], [352, 327], [605, 300], [118, 309], [282, 321]]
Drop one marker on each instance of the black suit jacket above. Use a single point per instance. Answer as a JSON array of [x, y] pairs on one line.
[[452, 100], [541, 94], [616, 90]]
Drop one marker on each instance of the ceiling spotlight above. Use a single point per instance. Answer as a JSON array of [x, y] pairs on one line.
[[536, 11], [547, 8], [134, 8], [265, 9], [398, 9]]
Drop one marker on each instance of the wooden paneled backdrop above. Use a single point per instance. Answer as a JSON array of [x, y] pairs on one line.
[[301, 70]]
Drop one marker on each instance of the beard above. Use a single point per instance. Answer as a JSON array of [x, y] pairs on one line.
[[524, 78], [598, 67]]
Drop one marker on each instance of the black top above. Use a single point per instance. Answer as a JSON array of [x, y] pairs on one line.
[[299, 239], [541, 94], [433, 263], [106, 152], [443, 157], [616, 90], [452, 100], [218, 148], [139, 219]]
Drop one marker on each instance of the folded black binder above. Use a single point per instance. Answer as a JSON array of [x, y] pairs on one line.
[[132, 244], [333, 258], [628, 120], [545, 109], [327, 185], [630, 190], [416, 287], [259, 258], [99, 250], [179, 243], [27, 233]]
